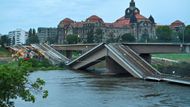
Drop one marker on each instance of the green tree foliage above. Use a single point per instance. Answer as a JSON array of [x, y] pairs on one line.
[[51, 40], [112, 38], [144, 38], [164, 34], [179, 36], [14, 83], [32, 37], [4, 41], [187, 34], [72, 39], [90, 36], [98, 36], [127, 38]]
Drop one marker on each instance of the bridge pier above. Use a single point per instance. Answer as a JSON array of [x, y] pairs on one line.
[[114, 67], [146, 57], [69, 54]]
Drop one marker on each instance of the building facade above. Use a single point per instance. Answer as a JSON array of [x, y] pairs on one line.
[[132, 22], [47, 35], [18, 36]]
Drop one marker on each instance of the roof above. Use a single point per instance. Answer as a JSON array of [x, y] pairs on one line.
[[66, 21], [109, 24], [94, 18], [121, 22], [177, 23], [140, 17], [78, 24]]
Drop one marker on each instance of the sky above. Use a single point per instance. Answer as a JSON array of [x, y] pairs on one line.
[[27, 14]]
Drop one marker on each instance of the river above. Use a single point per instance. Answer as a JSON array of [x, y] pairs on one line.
[[78, 89]]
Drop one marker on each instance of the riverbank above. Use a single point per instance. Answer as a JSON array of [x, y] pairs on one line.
[[31, 64], [4, 52], [175, 64], [5, 56], [174, 68], [176, 57], [4, 60]]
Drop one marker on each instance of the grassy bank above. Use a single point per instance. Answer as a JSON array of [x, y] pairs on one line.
[[34, 65], [40, 65], [180, 69], [4, 52], [178, 57]]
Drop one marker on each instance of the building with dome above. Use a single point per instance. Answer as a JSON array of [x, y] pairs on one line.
[[132, 22]]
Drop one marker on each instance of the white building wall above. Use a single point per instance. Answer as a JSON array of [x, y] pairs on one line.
[[18, 36]]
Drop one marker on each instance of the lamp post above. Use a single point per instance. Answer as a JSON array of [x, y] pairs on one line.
[[183, 35], [78, 39], [183, 39]]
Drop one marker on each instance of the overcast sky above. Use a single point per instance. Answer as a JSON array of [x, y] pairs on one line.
[[27, 14]]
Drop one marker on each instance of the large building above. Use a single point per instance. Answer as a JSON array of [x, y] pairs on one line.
[[47, 35], [18, 36], [132, 22]]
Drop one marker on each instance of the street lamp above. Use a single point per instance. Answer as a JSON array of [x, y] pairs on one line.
[[78, 39], [183, 38], [183, 35]]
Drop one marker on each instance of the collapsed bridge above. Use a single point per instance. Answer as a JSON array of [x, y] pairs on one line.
[[120, 58]]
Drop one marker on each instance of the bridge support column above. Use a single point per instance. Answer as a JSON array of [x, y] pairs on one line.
[[146, 57], [114, 67], [69, 54]]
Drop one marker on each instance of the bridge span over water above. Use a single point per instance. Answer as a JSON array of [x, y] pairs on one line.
[[131, 59], [143, 49]]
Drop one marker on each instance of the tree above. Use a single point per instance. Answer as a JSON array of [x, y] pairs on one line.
[[32, 37], [51, 40], [112, 38], [164, 34], [98, 36], [127, 38], [14, 84], [72, 39], [4, 41], [144, 38], [187, 34], [177, 36], [90, 36]]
